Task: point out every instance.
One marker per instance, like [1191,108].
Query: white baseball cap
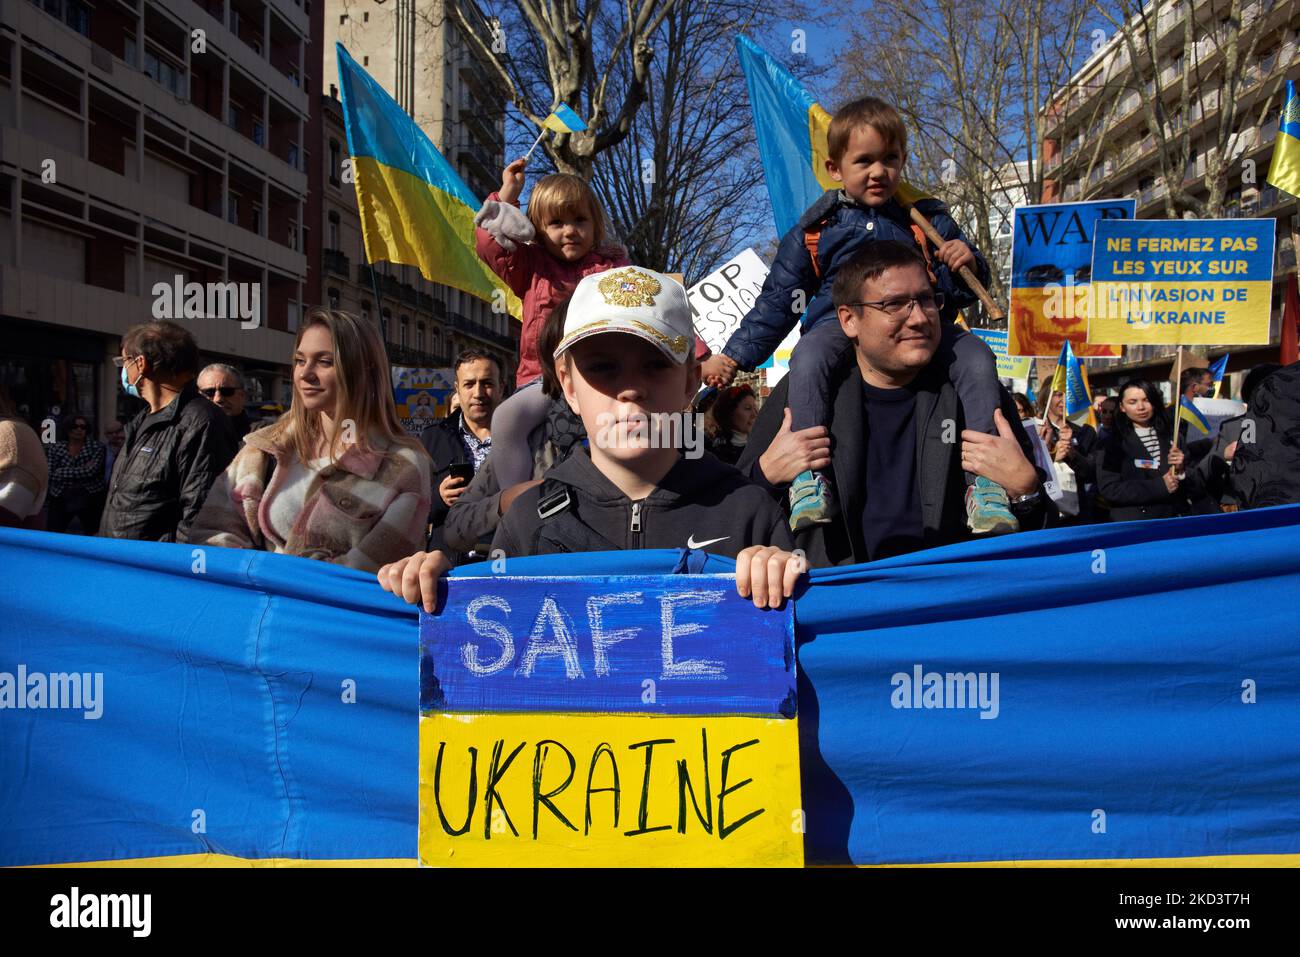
[640,302]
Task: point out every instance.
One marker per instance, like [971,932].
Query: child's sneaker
[811,501]
[987,510]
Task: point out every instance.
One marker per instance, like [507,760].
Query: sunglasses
[79,425]
[226,391]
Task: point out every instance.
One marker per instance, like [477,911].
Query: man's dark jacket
[939,476]
[167,463]
[443,442]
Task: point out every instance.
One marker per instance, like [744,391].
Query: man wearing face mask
[174,449]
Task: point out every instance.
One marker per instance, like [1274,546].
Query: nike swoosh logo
[692,543]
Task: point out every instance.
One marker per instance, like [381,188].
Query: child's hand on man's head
[954,254]
[512,181]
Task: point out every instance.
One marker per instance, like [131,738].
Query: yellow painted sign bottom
[571,790]
[1191,312]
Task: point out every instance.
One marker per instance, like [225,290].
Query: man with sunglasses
[897,442]
[224,385]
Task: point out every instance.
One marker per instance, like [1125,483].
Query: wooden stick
[1178,399]
[975,286]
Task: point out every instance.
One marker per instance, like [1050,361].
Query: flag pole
[1178,399]
[966,273]
[535,142]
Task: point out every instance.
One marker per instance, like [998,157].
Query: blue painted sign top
[1184,250]
[663,644]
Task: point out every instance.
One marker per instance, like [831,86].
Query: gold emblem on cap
[629,288]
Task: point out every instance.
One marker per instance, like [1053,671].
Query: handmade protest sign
[1051,269]
[422,395]
[720,300]
[1009,367]
[1182,281]
[607,721]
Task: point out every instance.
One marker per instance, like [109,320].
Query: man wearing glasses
[897,442]
[223,385]
[174,449]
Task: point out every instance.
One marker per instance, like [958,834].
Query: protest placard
[1182,281]
[607,721]
[720,300]
[422,395]
[1051,268]
[1009,367]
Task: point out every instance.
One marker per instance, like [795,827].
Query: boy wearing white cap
[627,366]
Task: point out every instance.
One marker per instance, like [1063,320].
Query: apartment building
[420,57]
[1099,145]
[151,143]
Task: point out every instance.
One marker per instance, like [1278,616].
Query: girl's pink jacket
[536,277]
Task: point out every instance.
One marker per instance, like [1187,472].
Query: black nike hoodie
[702,503]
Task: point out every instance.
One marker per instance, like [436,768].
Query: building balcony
[336,261]
[406,356]
[472,72]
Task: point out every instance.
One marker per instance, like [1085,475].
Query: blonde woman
[336,478]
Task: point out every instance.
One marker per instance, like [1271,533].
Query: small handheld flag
[1198,426]
[1217,369]
[1072,382]
[1284,173]
[563,120]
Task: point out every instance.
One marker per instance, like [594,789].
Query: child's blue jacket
[846,226]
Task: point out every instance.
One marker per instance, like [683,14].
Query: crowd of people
[892,432]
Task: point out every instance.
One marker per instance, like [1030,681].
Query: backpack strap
[561,530]
[811,238]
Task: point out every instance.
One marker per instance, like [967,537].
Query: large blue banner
[1105,693]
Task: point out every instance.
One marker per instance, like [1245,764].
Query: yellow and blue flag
[1284,173]
[415,209]
[1217,368]
[791,128]
[1198,426]
[1071,380]
[564,120]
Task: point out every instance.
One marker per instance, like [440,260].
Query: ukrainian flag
[1217,368]
[1198,426]
[1071,380]
[564,120]
[1285,171]
[791,128]
[415,209]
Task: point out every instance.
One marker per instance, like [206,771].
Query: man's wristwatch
[1025,502]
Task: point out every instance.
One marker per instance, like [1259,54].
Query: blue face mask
[127,387]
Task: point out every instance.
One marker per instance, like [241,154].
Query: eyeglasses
[79,425]
[119,361]
[899,308]
[226,391]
